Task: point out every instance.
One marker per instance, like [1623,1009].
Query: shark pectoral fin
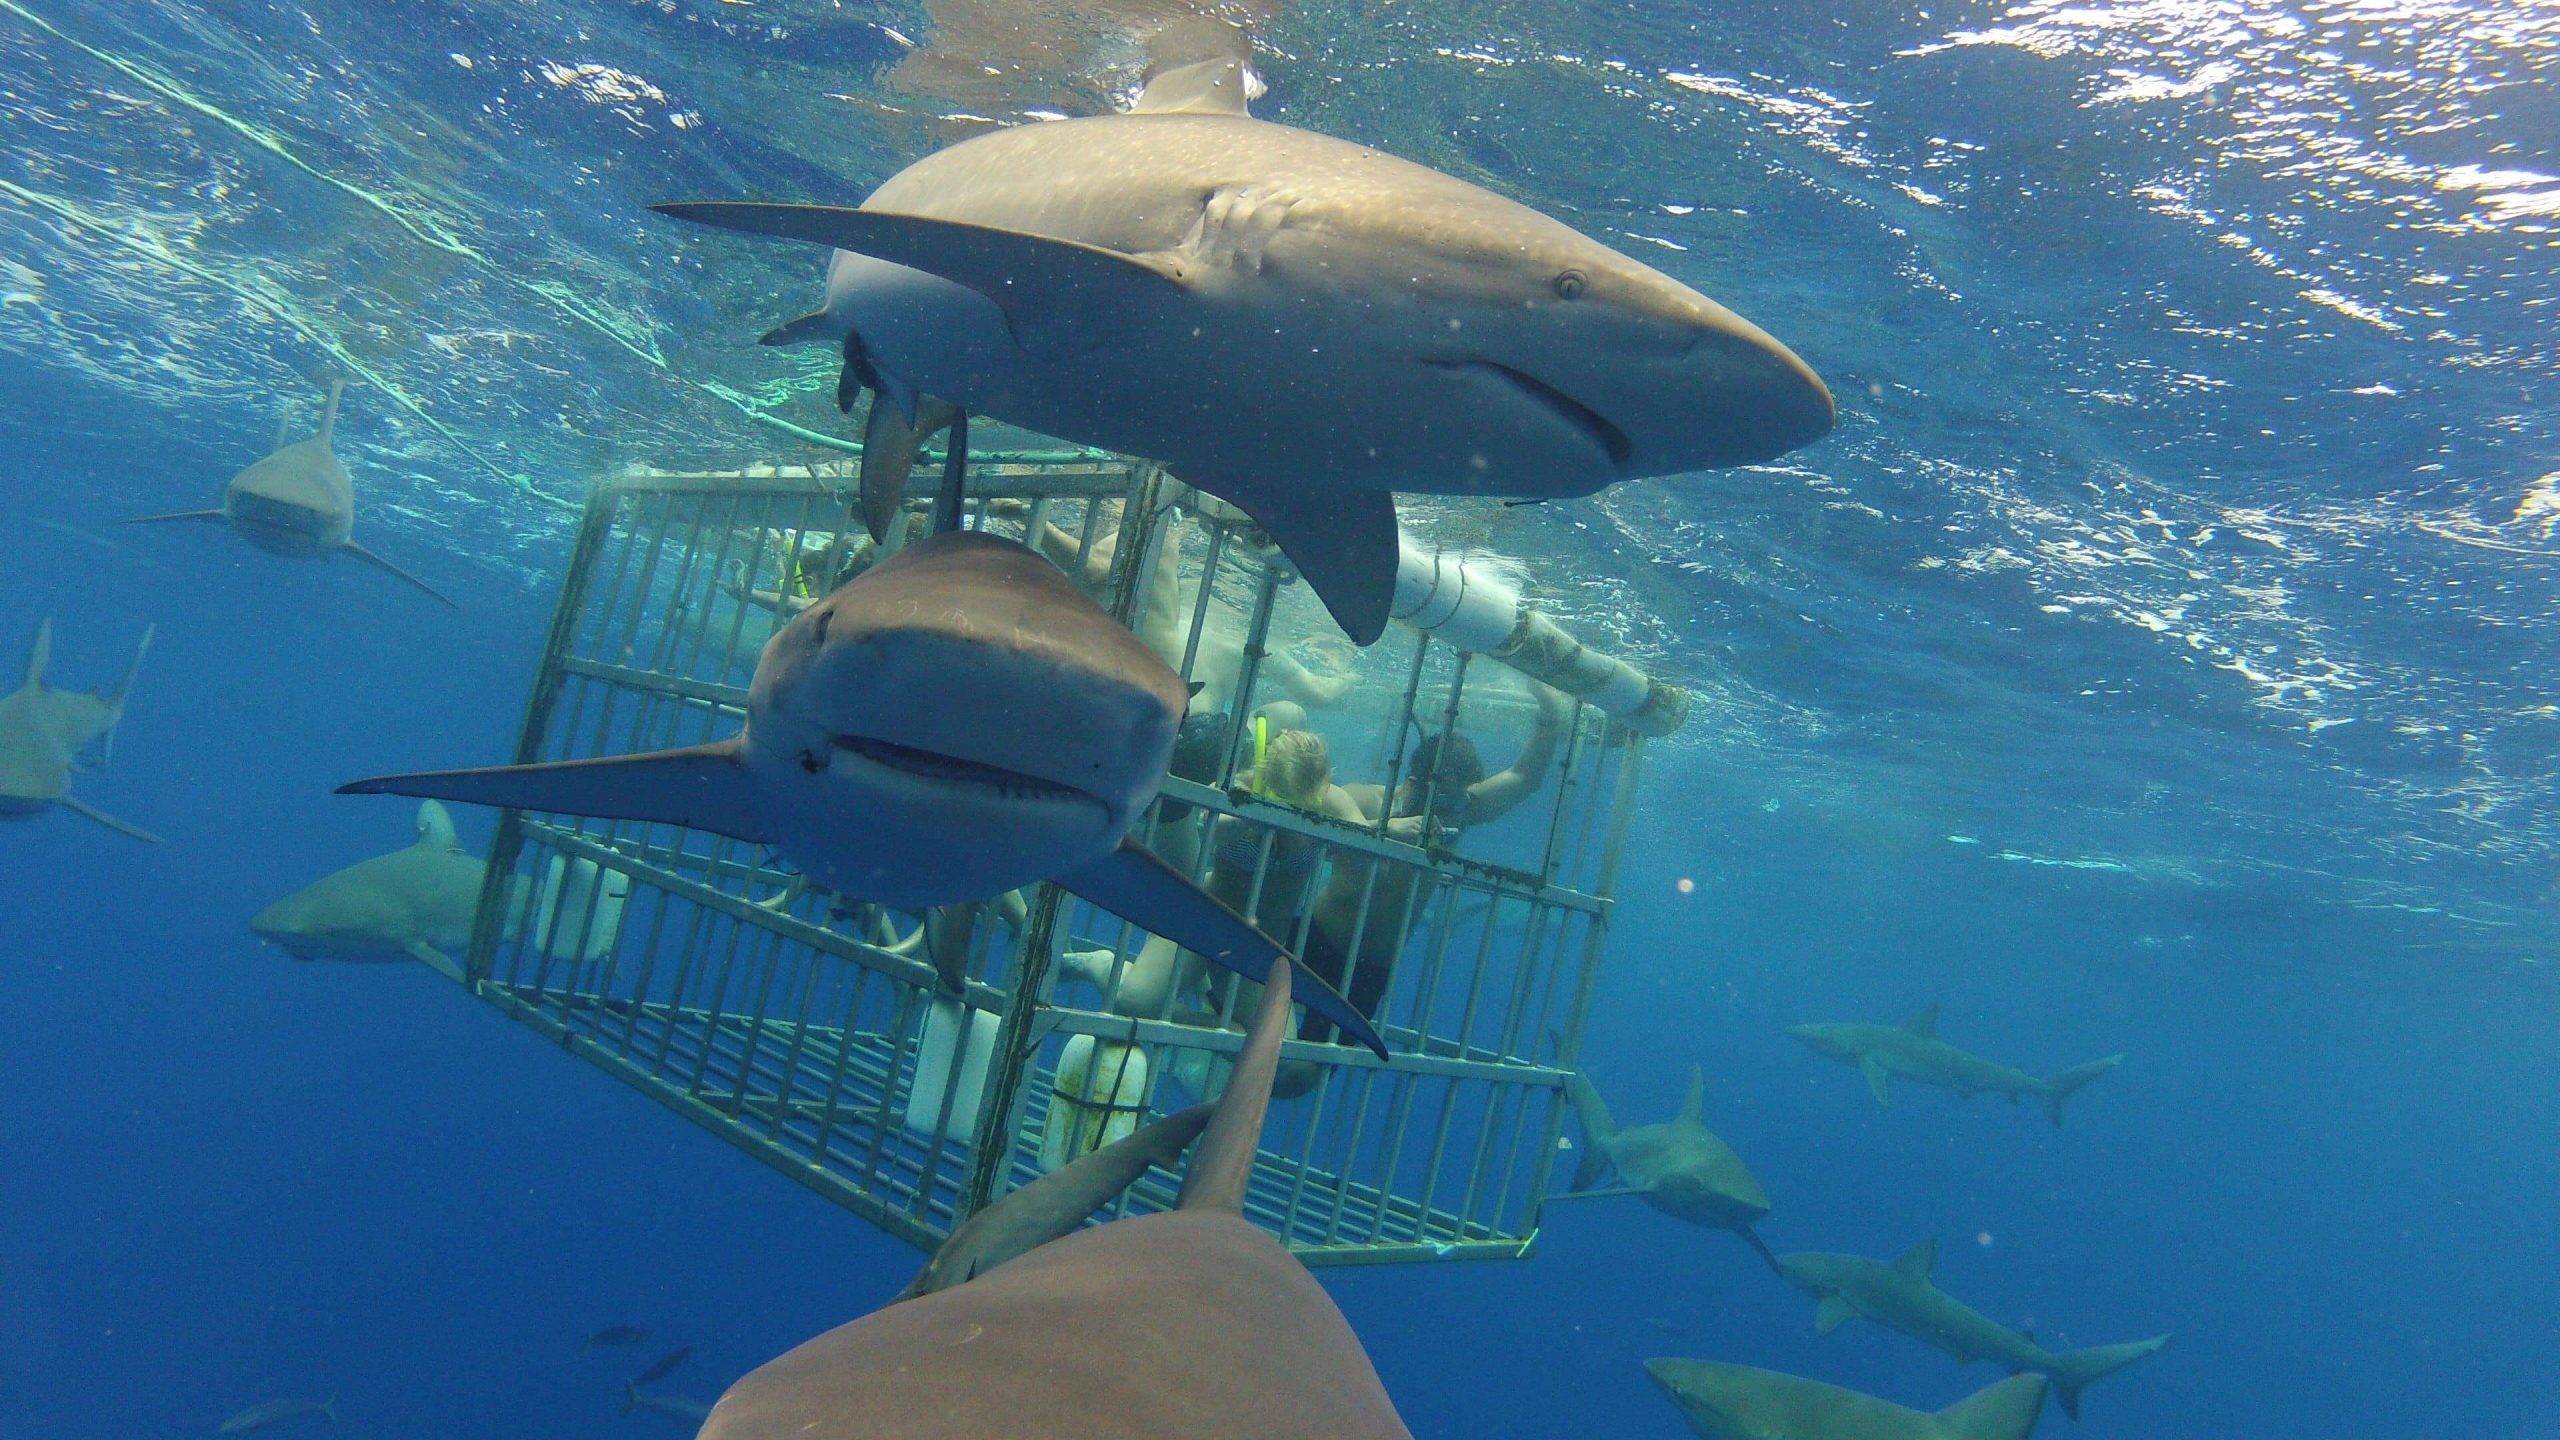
[1598,1128]
[76,807]
[1045,286]
[215,515]
[1133,883]
[386,566]
[1203,87]
[1609,1193]
[1833,1313]
[816,325]
[433,958]
[1343,541]
[701,787]
[2006,1411]
[889,445]
[1877,1080]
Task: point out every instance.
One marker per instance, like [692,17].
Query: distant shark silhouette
[418,903]
[46,735]
[1175,1326]
[1914,1051]
[299,501]
[1296,324]
[1900,1295]
[954,722]
[1678,1167]
[1737,1402]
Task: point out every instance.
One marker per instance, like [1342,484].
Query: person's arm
[1314,689]
[1497,795]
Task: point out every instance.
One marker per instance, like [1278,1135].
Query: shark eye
[1569,284]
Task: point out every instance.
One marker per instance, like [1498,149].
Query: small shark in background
[299,501]
[952,723]
[1296,324]
[47,735]
[415,903]
[1737,1402]
[1679,1167]
[1900,1295]
[1188,1323]
[1914,1051]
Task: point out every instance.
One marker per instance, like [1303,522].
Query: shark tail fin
[2076,1370]
[1223,1164]
[2059,1087]
[701,787]
[630,1397]
[1598,1128]
[2006,1411]
[890,441]
[329,1407]
[329,416]
[1760,1248]
[39,653]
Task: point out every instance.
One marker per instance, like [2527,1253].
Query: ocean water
[2156,659]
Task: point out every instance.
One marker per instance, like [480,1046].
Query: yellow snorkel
[1261,749]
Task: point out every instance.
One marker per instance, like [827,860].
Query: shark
[1900,1295]
[1297,324]
[299,501]
[1678,1167]
[415,903]
[1914,1051]
[48,735]
[954,722]
[1738,1402]
[1190,1322]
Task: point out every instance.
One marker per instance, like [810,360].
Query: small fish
[667,1365]
[259,1417]
[614,1335]
[634,1398]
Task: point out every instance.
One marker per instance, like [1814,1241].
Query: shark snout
[1754,399]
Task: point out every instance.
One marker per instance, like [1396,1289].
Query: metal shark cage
[831,1041]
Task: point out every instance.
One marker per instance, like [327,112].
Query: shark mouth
[941,769]
[1593,426]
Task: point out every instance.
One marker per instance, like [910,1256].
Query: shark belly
[281,527]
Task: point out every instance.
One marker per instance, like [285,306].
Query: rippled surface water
[2184,567]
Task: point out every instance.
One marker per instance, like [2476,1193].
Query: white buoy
[942,1054]
[1097,1097]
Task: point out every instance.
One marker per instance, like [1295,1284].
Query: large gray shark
[1737,1402]
[1294,323]
[415,903]
[1159,1327]
[1914,1051]
[1679,1166]
[299,501]
[1900,1296]
[954,722]
[46,735]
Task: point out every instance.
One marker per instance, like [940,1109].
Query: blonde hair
[1297,767]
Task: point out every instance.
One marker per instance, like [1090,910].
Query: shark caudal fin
[1223,1164]
[1134,884]
[630,1397]
[1598,1128]
[2076,1370]
[2058,1087]
[890,440]
[2006,1411]
[1055,1203]
[701,787]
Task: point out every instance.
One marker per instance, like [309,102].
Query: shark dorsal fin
[37,656]
[329,417]
[1203,87]
[1694,1109]
[1924,1024]
[1223,1163]
[2006,1411]
[1918,1262]
[435,827]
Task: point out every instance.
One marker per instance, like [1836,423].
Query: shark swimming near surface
[1914,1051]
[48,735]
[1900,1295]
[1737,1402]
[952,723]
[299,501]
[1297,324]
[1172,1326]
[1678,1167]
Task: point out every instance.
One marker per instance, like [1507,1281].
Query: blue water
[2155,660]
